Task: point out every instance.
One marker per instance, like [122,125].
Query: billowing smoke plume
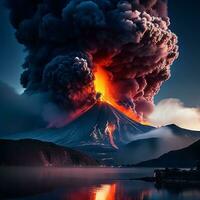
[67,39]
[173,111]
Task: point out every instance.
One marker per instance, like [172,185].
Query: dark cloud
[70,79]
[67,39]
[18,113]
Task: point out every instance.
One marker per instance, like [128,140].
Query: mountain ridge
[184,157]
[29,152]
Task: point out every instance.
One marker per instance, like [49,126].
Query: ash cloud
[173,111]
[66,40]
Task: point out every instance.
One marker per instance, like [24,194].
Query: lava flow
[110,128]
[103,87]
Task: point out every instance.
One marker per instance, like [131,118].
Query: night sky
[184,83]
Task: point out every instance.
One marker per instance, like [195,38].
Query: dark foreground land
[174,178]
[29,152]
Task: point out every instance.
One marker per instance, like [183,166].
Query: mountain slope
[36,153]
[186,157]
[90,128]
[129,143]
[89,133]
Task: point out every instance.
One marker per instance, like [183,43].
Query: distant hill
[154,144]
[186,157]
[30,152]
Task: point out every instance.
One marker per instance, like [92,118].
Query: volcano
[101,129]
[111,137]
[92,128]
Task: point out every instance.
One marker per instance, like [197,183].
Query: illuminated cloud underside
[173,111]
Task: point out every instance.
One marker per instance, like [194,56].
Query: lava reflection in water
[106,192]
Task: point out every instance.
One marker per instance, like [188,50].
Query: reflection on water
[125,190]
[115,191]
[107,192]
[85,184]
[102,192]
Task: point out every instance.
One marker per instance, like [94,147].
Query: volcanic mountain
[91,127]
[102,126]
[109,136]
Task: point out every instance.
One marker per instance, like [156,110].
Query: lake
[85,184]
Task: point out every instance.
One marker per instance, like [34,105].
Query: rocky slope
[30,152]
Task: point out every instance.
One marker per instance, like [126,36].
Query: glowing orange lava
[110,128]
[103,86]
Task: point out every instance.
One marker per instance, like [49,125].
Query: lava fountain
[103,86]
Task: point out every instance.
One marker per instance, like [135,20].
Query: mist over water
[85,184]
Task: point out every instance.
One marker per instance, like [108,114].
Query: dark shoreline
[174,178]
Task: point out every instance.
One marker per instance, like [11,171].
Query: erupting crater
[103,87]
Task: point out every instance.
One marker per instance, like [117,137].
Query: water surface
[86,184]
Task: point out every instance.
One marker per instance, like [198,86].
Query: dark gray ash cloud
[67,39]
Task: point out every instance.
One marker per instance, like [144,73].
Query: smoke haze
[18,113]
[173,111]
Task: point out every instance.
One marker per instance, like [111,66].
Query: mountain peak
[99,130]
[91,127]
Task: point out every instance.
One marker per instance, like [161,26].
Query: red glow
[106,192]
[110,128]
[104,86]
